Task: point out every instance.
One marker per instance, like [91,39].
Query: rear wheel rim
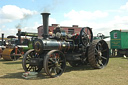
[98,54]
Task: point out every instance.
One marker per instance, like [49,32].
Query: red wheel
[54,63]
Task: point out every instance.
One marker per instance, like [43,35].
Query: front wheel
[27,62]
[54,63]
[98,54]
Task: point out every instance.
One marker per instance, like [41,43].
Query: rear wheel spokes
[99,56]
[99,46]
[103,57]
[99,52]
[100,62]
[104,50]
[96,51]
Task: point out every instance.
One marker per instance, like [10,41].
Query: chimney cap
[19,29]
[45,13]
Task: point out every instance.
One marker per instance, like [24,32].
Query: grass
[115,73]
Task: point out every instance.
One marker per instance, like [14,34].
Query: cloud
[9,13]
[101,22]
[13,31]
[52,21]
[124,7]
[31,28]
[119,22]
[85,15]
[83,18]
[96,20]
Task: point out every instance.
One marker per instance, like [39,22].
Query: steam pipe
[45,17]
[19,36]
[2,38]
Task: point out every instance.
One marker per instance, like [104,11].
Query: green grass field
[115,73]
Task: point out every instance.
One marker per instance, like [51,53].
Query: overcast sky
[101,15]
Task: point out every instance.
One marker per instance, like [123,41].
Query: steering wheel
[86,36]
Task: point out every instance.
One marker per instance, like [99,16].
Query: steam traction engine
[52,52]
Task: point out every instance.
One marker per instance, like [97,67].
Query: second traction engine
[52,51]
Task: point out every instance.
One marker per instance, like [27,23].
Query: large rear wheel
[98,54]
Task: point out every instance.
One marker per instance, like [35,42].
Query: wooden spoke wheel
[54,63]
[98,54]
[27,62]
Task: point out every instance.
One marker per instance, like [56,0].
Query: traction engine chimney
[45,17]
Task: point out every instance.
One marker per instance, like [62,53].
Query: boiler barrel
[44,45]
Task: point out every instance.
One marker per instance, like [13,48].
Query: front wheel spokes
[28,57]
[55,70]
[60,68]
[54,63]
[51,60]
[32,68]
[52,71]
[29,67]
[51,65]
[31,55]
